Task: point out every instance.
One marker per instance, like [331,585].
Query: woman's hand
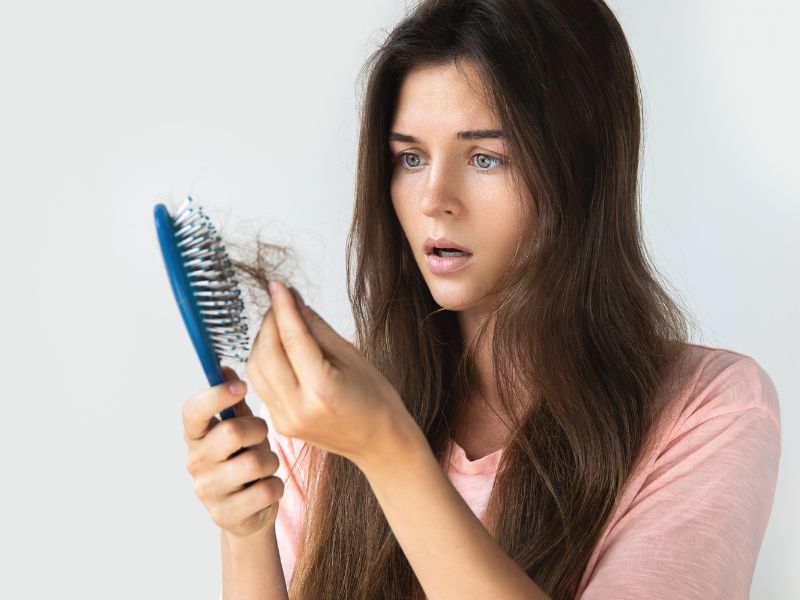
[318,387]
[231,461]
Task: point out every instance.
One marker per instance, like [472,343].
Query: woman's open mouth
[447,260]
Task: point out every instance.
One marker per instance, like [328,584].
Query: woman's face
[447,183]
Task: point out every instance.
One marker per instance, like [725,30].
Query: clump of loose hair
[584,334]
[256,263]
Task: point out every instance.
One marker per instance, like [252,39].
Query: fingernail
[236,387]
[274,288]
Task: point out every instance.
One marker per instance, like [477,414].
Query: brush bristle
[211,276]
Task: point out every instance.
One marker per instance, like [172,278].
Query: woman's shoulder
[719,381]
[691,522]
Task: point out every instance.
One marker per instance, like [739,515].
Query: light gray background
[107,108]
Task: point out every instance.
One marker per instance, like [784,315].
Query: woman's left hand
[318,387]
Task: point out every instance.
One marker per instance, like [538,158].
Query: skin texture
[457,189]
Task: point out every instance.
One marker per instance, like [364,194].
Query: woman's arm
[251,568]
[450,551]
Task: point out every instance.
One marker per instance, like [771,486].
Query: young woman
[522,415]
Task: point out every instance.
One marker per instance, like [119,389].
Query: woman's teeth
[445,252]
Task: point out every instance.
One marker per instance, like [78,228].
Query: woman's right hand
[231,461]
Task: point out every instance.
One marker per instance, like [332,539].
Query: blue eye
[484,161]
[412,155]
[487,161]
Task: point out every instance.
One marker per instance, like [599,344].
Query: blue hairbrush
[201,275]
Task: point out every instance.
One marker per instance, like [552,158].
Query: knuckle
[262,496]
[231,430]
[289,425]
[327,387]
[262,427]
[215,512]
[251,462]
[289,341]
[186,409]
[193,463]
[278,487]
[333,375]
[273,462]
[269,491]
[201,487]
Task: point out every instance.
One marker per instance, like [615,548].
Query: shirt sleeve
[695,528]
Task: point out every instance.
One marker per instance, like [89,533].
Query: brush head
[202,279]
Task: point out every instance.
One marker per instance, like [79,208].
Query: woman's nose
[440,193]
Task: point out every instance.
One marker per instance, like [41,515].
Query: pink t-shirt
[690,525]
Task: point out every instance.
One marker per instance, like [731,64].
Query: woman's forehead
[444,98]
[444,82]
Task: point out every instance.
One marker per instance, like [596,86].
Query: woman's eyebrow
[474,134]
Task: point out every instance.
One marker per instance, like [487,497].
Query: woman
[525,418]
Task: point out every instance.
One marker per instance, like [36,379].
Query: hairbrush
[202,278]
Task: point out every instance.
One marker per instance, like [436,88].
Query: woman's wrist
[251,566]
[399,439]
[244,545]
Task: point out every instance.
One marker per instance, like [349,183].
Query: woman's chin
[461,300]
[456,300]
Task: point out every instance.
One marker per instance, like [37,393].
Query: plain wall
[251,107]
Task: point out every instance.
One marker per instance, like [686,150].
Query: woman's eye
[412,160]
[484,161]
[413,163]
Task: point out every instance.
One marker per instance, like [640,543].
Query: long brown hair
[583,330]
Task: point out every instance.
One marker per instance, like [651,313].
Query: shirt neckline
[484,465]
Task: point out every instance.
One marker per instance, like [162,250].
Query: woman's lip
[449,264]
[442,242]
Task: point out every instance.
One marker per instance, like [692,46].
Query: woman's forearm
[449,549]
[251,568]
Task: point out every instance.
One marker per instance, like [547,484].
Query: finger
[230,374]
[232,434]
[222,479]
[261,497]
[270,361]
[302,350]
[199,410]
[254,464]
[332,344]
[242,409]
